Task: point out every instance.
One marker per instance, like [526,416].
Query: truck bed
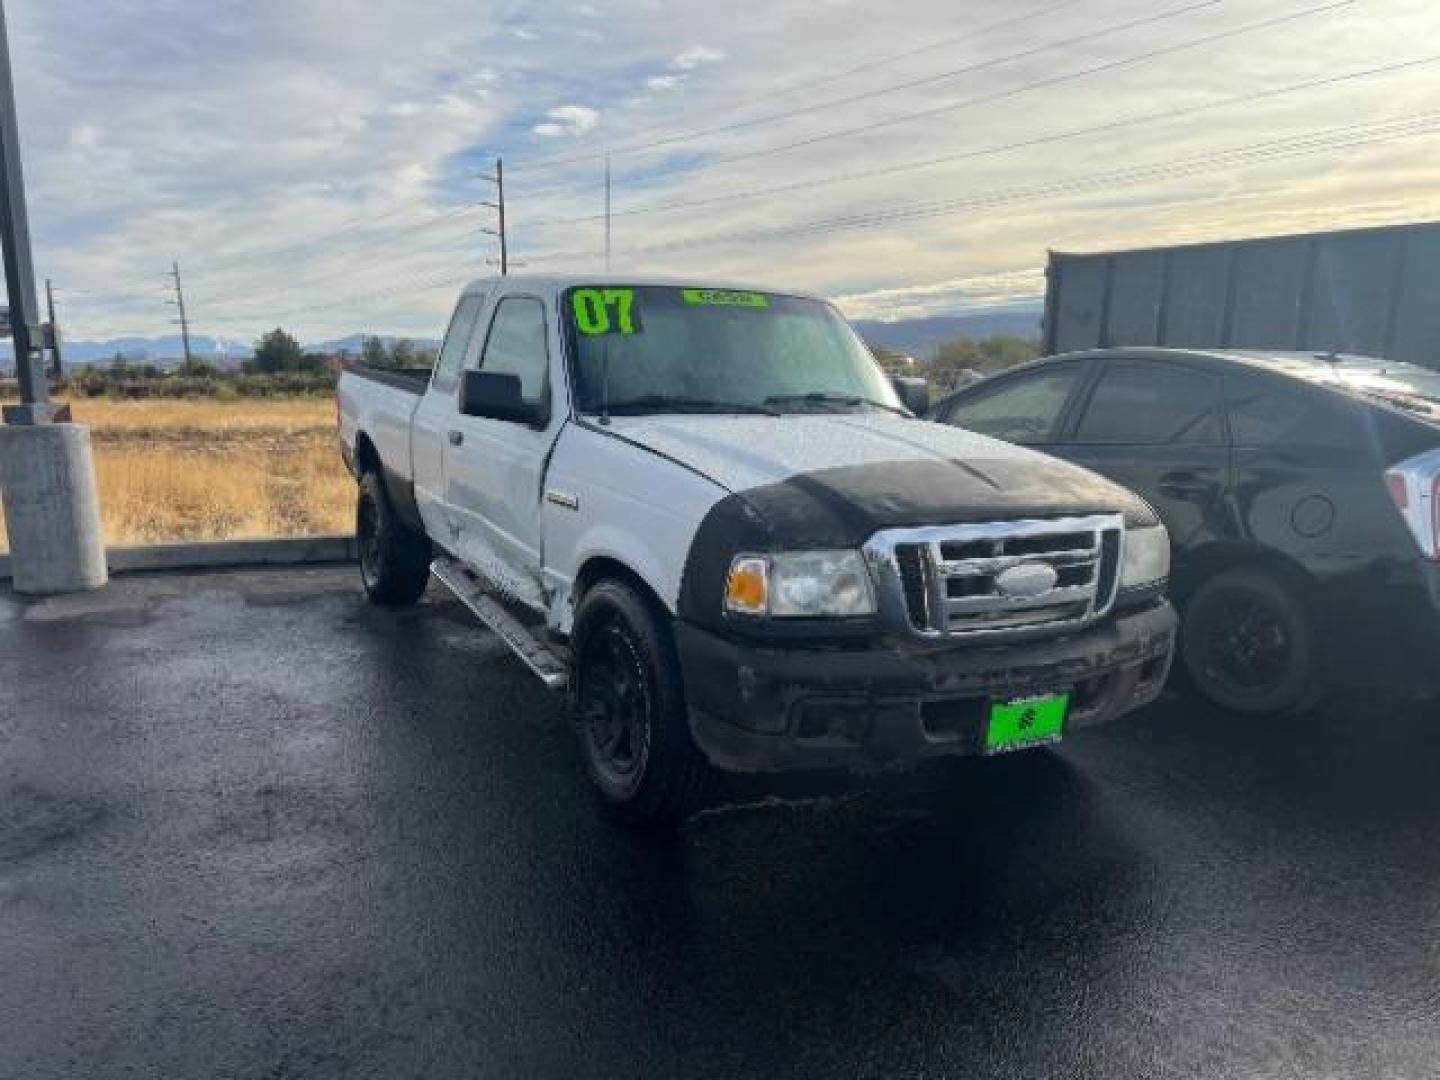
[412,380]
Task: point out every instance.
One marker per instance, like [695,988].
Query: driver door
[494,468]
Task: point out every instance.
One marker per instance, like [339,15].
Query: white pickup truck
[710,515]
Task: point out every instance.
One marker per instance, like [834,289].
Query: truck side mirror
[493,395]
[914,393]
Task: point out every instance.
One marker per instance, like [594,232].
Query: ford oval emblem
[1026,581]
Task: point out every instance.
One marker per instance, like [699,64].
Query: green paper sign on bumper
[1015,725]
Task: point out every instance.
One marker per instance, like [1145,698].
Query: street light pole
[47,473]
[35,407]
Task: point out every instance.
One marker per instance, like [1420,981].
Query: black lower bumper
[766,709]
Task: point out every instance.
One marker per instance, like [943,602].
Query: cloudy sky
[317,163]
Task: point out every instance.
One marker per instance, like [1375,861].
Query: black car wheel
[1249,645]
[630,710]
[394,559]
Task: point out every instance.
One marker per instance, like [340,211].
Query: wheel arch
[1199,566]
[599,568]
[367,458]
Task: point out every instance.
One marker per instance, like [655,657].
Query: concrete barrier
[223,554]
[52,509]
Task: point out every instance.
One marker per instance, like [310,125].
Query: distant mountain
[153,350]
[921,337]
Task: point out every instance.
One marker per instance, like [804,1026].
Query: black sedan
[1302,494]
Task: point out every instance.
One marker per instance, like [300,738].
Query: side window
[516,345]
[1023,409]
[457,338]
[1152,403]
[1269,413]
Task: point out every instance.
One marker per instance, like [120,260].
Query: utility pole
[607,213]
[179,302]
[498,179]
[25,332]
[57,366]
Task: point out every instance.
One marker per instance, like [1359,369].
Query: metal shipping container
[1369,291]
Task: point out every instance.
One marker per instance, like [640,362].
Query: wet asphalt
[251,827]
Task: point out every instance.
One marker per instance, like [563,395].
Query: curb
[223,554]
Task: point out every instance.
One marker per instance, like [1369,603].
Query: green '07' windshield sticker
[725,298]
[605,311]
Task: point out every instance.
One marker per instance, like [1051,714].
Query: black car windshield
[657,349]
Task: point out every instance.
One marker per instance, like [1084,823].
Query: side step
[469,589]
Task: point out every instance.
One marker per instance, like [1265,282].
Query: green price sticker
[605,311]
[725,298]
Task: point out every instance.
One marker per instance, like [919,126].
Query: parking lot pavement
[251,827]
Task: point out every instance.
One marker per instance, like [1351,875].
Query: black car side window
[1023,409]
[1266,412]
[1152,403]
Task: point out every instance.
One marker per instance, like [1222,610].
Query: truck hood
[874,470]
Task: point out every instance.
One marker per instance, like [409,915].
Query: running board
[470,590]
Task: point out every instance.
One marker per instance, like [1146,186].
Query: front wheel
[630,710]
[394,558]
[1249,644]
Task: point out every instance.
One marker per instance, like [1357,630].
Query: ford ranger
[709,515]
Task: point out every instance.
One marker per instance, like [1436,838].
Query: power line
[457,245]
[983,99]
[833,77]
[965,155]
[366,243]
[347,228]
[1266,150]
[895,88]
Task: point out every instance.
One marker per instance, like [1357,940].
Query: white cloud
[572,120]
[696,56]
[661,83]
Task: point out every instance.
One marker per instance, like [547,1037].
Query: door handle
[456,438]
[1182,485]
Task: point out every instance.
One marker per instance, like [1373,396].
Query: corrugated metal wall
[1370,291]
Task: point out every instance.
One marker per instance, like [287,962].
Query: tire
[394,558]
[629,709]
[1249,645]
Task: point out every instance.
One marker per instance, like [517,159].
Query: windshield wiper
[818,397]
[679,403]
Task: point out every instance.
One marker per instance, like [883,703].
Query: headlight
[1147,557]
[800,584]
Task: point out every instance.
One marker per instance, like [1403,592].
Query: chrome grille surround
[940,582]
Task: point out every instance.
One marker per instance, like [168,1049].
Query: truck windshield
[654,349]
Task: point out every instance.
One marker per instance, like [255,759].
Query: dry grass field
[212,470]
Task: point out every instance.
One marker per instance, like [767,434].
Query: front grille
[1002,576]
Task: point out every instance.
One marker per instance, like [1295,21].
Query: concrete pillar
[52,508]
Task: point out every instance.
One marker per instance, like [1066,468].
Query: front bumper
[770,709]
